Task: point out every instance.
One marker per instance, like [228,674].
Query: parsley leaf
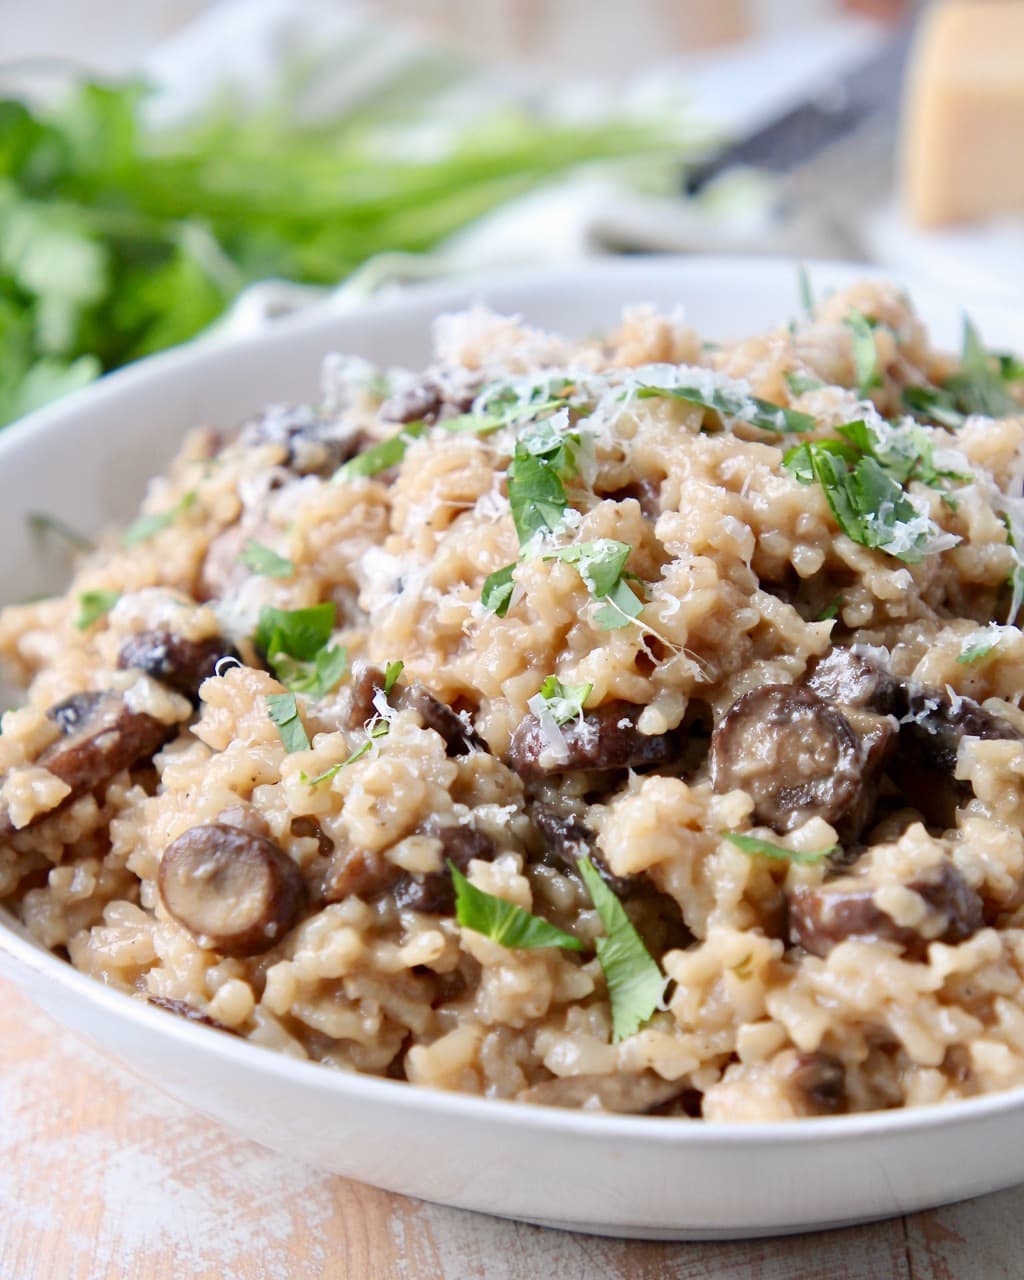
[798,383]
[734,404]
[93,605]
[765,849]
[391,673]
[146,526]
[283,710]
[261,559]
[635,983]
[388,453]
[865,353]
[831,610]
[563,702]
[299,633]
[503,922]
[933,405]
[295,642]
[602,566]
[41,522]
[536,494]
[979,646]
[977,386]
[498,587]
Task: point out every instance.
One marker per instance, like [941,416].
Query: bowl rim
[20,948]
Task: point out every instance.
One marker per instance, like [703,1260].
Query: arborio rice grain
[733,722]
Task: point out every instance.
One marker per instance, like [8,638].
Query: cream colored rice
[739,558]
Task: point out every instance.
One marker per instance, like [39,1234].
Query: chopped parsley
[41,522]
[391,673]
[831,610]
[283,710]
[728,403]
[544,458]
[379,457]
[765,849]
[503,922]
[496,595]
[262,560]
[865,353]
[979,386]
[979,646]
[636,984]
[601,565]
[563,702]
[803,279]
[147,526]
[863,475]
[93,605]
[295,642]
[378,729]
[798,383]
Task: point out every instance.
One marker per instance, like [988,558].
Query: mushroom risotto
[627,724]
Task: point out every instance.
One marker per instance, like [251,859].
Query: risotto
[628,724]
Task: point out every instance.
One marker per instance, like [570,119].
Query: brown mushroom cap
[793,753]
[235,891]
[180,664]
[602,739]
[822,917]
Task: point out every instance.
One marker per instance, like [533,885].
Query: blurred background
[177,168]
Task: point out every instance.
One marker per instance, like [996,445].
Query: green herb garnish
[147,526]
[388,453]
[536,493]
[636,985]
[262,560]
[503,922]
[602,566]
[765,849]
[865,353]
[283,710]
[831,610]
[391,673]
[93,605]
[41,522]
[563,702]
[733,404]
[295,642]
[978,648]
[978,385]
[498,587]
[798,383]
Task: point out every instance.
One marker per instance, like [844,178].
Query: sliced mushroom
[313,445]
[181,664]
[459,737]
[236,892]
[356,873]
[817,1084]
[567,839]
[854,678]
[794,754]
[367,682]
[419,403]
[822,917]
[603,739]
[435,892]
[628,1094]
[100,736]
[182,1009]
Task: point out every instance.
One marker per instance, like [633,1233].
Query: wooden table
[100,1180]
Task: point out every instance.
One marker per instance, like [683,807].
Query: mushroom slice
[816,1083]
[629,1094]
[182,1009]
[854,678]
[181,664]
[793,753]
[567,839]
[435,891]
[313,445]
[599,740]
[459,738]
[236,892]
[820,918]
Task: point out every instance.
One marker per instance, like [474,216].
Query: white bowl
[87,460]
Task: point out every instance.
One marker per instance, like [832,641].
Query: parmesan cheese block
[963,144]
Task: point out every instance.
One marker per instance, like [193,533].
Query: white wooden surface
[103,1179]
